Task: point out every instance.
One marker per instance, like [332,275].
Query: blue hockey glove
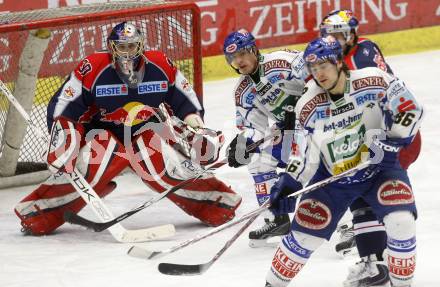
[279,200]
[390,149]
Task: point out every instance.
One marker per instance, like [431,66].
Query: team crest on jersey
[186,86]
[366,52]
[152,87]
[111,90]
[85,67]
[69,92]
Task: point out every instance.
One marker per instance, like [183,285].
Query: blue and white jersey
[282,75]
[333,135]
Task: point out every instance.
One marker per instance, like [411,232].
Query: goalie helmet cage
[40,48]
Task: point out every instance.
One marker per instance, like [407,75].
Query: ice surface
[77,257]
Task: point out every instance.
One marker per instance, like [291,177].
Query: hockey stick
[100,226]
[89,195]
[199,269]
[136,251]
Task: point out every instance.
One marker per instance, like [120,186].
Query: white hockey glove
[202,145]
[64,145]
[205,143]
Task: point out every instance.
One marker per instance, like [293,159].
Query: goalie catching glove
[191,139]
[65,141]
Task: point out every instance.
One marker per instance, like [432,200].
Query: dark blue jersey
[366,54]
[95,96]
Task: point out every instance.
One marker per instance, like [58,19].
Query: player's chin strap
[89,195]
[197,269]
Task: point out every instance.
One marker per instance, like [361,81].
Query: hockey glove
[65,141]
[236,152]
[385,153]
[200,144]
[280,203]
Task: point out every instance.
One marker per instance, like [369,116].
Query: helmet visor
[232,58]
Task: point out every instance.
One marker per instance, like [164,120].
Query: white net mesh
[79,31]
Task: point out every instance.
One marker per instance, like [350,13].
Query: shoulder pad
[312,96]
[91,66]
[161,61]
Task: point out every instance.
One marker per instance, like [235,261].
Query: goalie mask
[126,45]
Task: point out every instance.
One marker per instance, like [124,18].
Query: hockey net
[50,43]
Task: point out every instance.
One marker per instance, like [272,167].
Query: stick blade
[182,269]
[73,218]
[139,252]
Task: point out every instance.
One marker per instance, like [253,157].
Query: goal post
[40,48]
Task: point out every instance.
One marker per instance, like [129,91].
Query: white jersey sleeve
[402,113]
[249,119]
[281,76]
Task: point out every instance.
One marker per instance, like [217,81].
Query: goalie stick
[140,252]
[100,226]
[89,195]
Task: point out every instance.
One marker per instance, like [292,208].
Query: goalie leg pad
[42,211]
[65,142]
[207,198]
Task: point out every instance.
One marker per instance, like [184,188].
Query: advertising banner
[282,22]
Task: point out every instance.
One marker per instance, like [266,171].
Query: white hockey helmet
[339,21]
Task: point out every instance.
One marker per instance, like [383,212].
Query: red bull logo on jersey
[153,87]
[111,90]
[130,114]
